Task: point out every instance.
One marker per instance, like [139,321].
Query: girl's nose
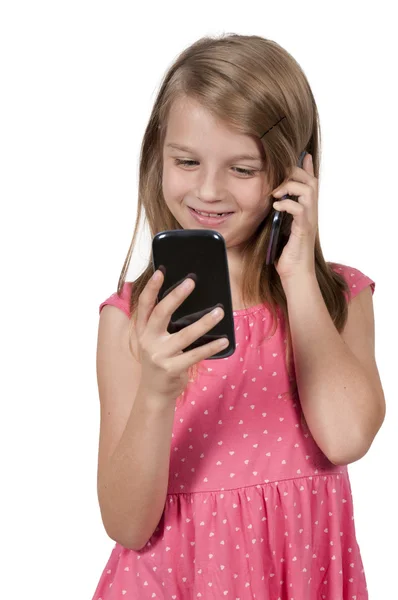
[210,187]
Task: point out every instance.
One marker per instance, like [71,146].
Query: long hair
[255,86]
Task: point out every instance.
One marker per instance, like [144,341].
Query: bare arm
[132,489]
[340,389]
[138,398]
[135,437]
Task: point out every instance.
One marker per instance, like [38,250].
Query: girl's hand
[298,256]
[163,362]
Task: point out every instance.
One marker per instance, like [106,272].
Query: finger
[188,359]
[309,163]
[163,311]
[290,206]
[188,319]
[291,188]
[304,219]
[147,300]
[187,336]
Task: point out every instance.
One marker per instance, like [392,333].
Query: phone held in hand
[200,254]
[281,226]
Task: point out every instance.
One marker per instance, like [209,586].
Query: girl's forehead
[190,124]
[186,111]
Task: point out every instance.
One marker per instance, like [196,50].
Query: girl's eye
[190,163]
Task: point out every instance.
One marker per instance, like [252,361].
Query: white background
[78,81]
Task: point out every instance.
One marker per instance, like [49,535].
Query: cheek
[253,197]
[172,184]
[256,206]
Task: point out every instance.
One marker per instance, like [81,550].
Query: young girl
[228,478]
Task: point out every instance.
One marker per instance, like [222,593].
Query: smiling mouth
[207,214]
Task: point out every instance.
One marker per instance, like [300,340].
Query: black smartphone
[202,255]
[281,225]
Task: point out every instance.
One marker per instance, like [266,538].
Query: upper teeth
[210,214]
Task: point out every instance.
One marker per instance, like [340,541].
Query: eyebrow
[232,158]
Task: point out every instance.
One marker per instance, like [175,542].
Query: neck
[235,267]
[236,270]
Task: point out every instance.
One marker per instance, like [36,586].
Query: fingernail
[188,284]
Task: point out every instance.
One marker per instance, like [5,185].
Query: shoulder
[356,279]
[121,301]
[115,324]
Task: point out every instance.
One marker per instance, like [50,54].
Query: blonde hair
[255,86]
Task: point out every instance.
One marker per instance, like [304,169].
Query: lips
[212,221]
[204,213]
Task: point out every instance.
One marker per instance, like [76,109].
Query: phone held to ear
[281,225]
[200,254]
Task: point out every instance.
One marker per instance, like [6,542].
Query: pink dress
[254,508]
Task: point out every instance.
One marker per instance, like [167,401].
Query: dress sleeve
[356,280]
[122,302]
